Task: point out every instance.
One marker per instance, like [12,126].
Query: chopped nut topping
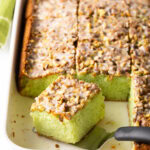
[65,97]
[139,33]
[51,47]
[139,10]
[101,60]
[92,12]
[103,45]
[142,100]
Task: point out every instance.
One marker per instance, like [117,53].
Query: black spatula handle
[137,134]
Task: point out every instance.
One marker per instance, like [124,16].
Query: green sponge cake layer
[67,109]
[33,87]
[70,131]
[113,88]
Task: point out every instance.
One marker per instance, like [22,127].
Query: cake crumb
[22,116]
[56,145]
[113,146]
[13,134]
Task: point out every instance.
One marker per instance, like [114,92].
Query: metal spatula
[98,136]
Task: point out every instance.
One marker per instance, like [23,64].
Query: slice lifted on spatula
[67,109]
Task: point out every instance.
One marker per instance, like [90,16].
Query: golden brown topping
[139,34]
[109,31]
[51,47]
[142,100]
[103,45]
[47,9]
[65,97]
[138,8]
[91,14]
[111,60]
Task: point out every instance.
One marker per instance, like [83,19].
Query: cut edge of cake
[60,119]
[138,105]
[76,135]
[114,88]
[27,82]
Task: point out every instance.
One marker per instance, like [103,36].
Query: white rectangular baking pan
[18,125]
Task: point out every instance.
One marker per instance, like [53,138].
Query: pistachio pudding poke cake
[76,50]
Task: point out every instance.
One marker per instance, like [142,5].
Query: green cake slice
[67,109]
[48,46]
[102,54]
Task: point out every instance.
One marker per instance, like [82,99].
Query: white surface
[20,105]
[3,87]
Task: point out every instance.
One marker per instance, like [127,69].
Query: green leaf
[7,8]
[4,28]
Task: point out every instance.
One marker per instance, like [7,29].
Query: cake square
[139,105]
[48,46]
[103,50]
[67,109]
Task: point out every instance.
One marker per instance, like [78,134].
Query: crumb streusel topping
[110,35]
[141,99]
[51,47]
[103,38]
[139,34]
[47,9]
